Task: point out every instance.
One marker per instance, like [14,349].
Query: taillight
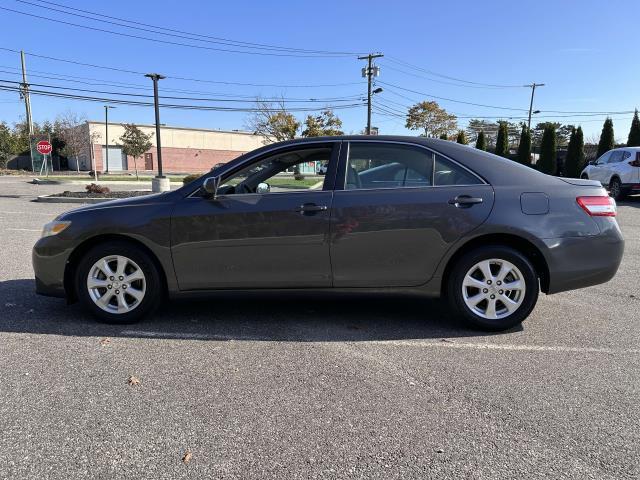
[636,162]
[603,206]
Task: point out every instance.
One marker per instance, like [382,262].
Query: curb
[48,199]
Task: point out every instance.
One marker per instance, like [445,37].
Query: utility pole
[160,183]
[24,91]
[370,71]
[106,136]
[533,91]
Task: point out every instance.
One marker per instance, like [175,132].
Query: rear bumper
[631,188]
[578,262]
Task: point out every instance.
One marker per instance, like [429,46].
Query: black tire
[154,288]
[466,262]
[584,176]
[615,189]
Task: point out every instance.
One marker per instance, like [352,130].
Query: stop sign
[44,148]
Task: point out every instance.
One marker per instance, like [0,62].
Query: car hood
[151,199]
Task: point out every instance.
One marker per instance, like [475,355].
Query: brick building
[184,150]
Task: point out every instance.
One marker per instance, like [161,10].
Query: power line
[195,99]
[175,77]
[451,99]
[431,72]
[213,39]
[117,101]
[417,75]
[166,42]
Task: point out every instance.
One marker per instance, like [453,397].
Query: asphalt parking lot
[314,386]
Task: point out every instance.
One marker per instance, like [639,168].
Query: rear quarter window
[448,173]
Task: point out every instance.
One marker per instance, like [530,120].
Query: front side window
[615,157]
[603,159]
[380,165]
[291,171]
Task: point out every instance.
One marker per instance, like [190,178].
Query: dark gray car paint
[579,250]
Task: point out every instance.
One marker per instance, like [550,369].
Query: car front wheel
[493,288]
[118,282]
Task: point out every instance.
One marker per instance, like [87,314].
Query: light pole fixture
[160,183]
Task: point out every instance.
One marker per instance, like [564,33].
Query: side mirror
[211,186]
[263,188]
[592,162]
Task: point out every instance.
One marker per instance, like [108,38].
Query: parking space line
[403,343]
[24,229]
[505,346]
[25,213]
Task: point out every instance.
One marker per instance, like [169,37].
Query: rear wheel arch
[88,244]
[516,242]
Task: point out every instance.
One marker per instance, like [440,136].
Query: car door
[597,171]
[264,229]
[394,230]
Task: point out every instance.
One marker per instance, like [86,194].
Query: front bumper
[49,259]
[578,262]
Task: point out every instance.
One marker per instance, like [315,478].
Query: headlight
[54,228]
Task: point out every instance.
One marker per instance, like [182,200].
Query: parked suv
[618,170]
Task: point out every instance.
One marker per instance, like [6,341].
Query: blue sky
[584,51]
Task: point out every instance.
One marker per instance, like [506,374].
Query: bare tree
[74,133]
[273,121]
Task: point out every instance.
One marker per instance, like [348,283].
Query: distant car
[403,214]
[618,170]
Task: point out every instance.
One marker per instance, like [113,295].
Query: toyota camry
[404,214]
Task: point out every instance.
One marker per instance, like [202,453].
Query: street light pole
[369,72]
[533,91]
[160,183]
[106,137]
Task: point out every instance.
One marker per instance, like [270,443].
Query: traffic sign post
[44,148]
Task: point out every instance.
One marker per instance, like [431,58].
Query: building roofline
[173,127]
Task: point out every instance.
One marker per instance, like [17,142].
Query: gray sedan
[403,214]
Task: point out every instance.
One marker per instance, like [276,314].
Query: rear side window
[448,173]
[626,155]
[386,165]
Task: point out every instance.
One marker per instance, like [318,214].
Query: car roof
[494,169]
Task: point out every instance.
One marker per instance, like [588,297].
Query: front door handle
[311,208]
[465,201]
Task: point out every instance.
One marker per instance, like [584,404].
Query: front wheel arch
[88,244]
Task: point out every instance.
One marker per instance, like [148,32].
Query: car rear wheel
[615,189]
[493,288]
[584,176]
[118,282]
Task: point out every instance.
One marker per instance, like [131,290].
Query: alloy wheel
[116,284]
[493,289]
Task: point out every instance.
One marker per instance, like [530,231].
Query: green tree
[461,138]
[524,147]
[634,132]
[6,145]
[135,143]
[574,163]
[481,142]
[547,163]
[431,119]
[607,141]
[502,141]
[324,124]
[444,136]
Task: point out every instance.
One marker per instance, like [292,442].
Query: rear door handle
[465,201]
[311,207]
